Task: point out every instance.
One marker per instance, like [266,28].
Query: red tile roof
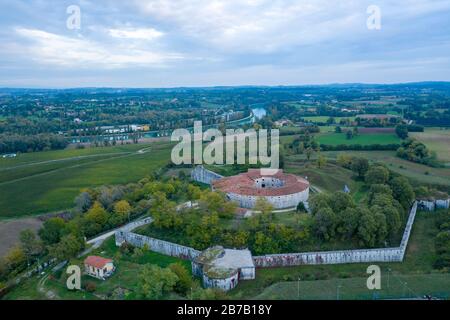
[96,261]
[244,184]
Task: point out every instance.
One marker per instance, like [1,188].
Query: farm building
[223,268]
[281,190]
[98,267]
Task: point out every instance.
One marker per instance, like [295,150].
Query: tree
[402,131]
[344,160]
[402,191]
[309,152]
[83,202]
[338,129]
[155,281]
[265,208]
[349,134]
[325,223]
[184,282]
[52,230]
[377,175]
[360,166]
[264,244]
[122,209]
[339,201]
[378,189]
[348,222]
[367,228]
[318,201]
[97,214]
[15,259]
[321,161]
[67,248]
[31,246]
[301,207]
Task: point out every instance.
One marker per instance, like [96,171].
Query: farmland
[334,139]
[49,181]
[437,140]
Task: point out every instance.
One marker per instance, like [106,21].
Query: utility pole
[298,288]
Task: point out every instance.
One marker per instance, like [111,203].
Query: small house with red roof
[99,267]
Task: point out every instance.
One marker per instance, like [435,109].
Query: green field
[45,182]
[325,119]
[335,139]
[399,286]
[437,140]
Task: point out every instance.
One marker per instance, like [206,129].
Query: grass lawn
[437,140]
[329,178]
[48,187]
[325,118]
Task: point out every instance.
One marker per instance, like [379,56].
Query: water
[259,112]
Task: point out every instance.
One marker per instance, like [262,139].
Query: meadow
[437,140]
[415,171]
[335,139]
[46,182]
[323,119]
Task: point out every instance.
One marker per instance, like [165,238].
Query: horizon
[348,84]
[170,44]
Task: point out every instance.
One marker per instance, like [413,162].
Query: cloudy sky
[167,43]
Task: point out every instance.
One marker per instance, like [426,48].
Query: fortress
[281,190]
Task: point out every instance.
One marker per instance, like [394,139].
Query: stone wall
[278,202]
[200,174]
[343,256]
[431,205]
[160,246]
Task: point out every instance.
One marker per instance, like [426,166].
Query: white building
[98,267]
[223,268]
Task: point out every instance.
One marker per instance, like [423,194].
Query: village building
[99,267]
[223,268]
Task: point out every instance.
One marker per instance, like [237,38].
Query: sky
[172,43]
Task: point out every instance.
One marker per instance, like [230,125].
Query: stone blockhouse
[223,268]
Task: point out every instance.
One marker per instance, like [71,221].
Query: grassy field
[412,170]
[325,119]
[334,139]
[48,181]
[399,286]
[437,140]
[329,178]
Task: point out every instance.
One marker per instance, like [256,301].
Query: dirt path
[10,231]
